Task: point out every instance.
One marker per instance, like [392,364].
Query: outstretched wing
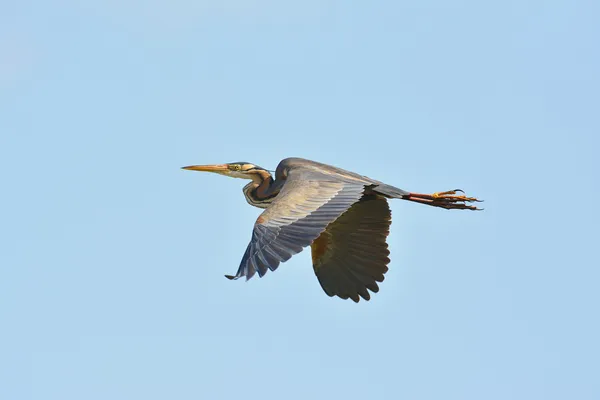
[306,204]
[351,255]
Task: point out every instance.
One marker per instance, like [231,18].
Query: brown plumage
[351,255]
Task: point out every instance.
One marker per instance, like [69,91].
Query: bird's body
[343,216]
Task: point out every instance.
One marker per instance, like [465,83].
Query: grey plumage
[343,216]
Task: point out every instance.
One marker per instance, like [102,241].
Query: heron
[344,217]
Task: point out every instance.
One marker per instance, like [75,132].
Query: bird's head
[244,170]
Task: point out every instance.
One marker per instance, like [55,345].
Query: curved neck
[262,190]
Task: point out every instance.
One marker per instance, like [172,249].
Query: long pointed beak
[208,168]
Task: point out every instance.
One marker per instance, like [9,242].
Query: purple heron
[343,216]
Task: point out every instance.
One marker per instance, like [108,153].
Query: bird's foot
[449,195]
[448,200]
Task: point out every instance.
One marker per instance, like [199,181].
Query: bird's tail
[390,191]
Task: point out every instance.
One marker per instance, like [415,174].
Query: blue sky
[113,258]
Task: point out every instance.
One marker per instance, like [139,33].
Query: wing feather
[351,255]
[305,206]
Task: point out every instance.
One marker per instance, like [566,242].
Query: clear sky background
[112,261]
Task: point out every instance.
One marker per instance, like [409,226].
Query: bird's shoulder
[301,168]
[298,163]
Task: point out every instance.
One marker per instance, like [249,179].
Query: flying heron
[343,216]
